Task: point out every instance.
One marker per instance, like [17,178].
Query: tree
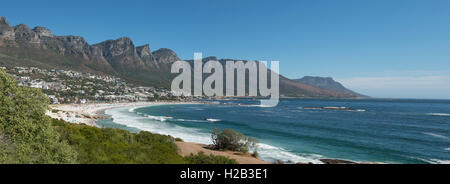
[232,140]
[26,133]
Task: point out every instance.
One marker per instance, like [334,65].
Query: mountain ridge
[20,45]
[326,83]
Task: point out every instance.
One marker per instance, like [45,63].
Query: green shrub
[115,146]
[179,139]
[26,134]
[201,158]
[232,140]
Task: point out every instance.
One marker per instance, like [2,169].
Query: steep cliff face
[165,56]
[121,54]
[145,54]
[42,32]
[6,31]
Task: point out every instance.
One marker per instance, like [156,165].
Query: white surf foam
[264,106]
[447,149]
[213,120]
[436,161]
[132,109]
[124,117]
[267,152]
[272,153]
[190,120]
[159,118]
[438,114]
[436,135]
[360,110]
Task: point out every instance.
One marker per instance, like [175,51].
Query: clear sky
[382,48]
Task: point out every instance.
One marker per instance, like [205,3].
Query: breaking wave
[129,118]
[438,114]
[436,135]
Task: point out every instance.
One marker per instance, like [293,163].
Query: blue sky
[382,48]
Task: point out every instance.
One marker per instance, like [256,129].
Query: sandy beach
[89,113]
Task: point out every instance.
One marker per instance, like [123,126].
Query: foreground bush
[201,158]
[116,146]
[26,134]
[232,140]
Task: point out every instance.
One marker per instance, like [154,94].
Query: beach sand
[90,113]
[186,148]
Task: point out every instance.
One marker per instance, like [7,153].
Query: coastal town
[68,87]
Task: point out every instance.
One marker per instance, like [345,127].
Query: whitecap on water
[437,161]
[159,118]
[436,135]
[438,114]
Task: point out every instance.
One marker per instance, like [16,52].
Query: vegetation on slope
[27,135]
[116,146]
[202,158]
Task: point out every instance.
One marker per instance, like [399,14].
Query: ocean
[375,130]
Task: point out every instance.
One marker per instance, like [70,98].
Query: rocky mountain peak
[3,21]
[144,50]
[73,41]
[24,34]
[124,41]
[165,55]
[210,58]
[6,31]
[120,46]
[42,31]
[22,27]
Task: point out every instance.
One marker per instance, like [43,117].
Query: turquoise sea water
[393,131]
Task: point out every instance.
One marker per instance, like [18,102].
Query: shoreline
[89,114]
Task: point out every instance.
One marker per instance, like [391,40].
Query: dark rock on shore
[336,161]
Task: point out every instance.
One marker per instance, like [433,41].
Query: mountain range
[23,46]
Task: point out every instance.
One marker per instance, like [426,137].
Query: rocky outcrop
[122,54]
[42,32]
[165,56]
[146,55]
[337,161]
[24,35]
[6,31]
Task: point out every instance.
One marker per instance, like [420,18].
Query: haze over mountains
[22,46]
